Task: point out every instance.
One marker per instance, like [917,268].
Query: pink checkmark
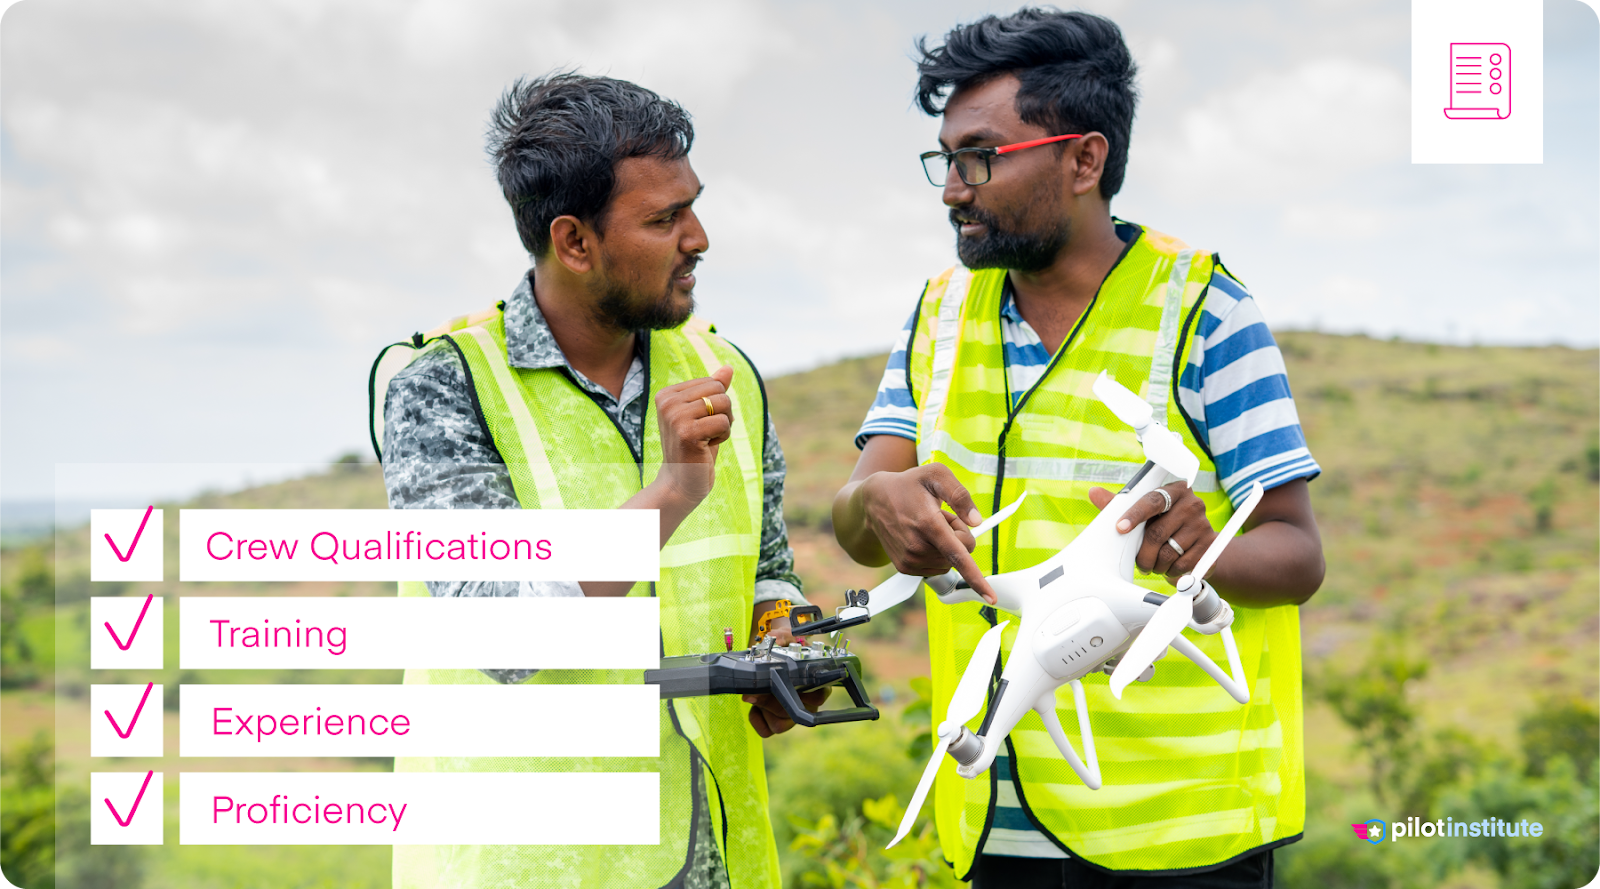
[136,800]
[118,639]
[136,535]
[135,720]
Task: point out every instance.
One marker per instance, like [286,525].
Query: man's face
[649,246]
[1019,219]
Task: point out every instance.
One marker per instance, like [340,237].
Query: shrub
[831,788]
[1567,854]
[18,666]
[28,815]
[1567,727]
[38,851]
[1372,702]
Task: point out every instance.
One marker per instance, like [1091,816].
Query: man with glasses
[987,395]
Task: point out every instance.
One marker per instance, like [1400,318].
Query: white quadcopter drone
[1081,613]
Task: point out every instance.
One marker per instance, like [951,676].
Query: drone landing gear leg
[1233,685]
[1046,708]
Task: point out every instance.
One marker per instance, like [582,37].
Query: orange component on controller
[798,617]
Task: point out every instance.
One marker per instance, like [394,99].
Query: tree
[1567,727]
[1372,702]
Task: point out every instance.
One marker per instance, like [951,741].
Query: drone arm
[1046,708]
[1234,685]
[1232,649]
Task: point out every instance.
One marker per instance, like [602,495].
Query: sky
[214,214]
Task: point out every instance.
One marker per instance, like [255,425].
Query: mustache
[687,267]
[961,215]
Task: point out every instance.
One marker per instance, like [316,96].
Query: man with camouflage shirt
[587,383]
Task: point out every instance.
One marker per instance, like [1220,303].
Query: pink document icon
[1480,81]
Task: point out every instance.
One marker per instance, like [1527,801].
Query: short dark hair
[1076,74]
[556,141]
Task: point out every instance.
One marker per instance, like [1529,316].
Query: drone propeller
[1175,613]
[964,705]
[899,588]
[1161,446]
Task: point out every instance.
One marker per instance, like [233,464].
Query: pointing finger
[962,561]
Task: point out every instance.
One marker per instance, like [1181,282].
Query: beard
[1001,247]
[624,307]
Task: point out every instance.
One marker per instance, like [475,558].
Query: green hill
[1455,642]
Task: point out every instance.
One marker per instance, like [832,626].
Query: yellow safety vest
[1191,778]
[563,452]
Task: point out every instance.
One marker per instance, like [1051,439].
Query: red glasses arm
[1018,146]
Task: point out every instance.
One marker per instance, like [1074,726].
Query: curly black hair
[1075,70]
[556,141]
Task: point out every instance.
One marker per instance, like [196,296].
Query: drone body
[1081,613]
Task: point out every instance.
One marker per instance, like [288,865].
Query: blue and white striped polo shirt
[1234,389]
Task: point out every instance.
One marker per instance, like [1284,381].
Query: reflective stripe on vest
[562,451]
[1191,778]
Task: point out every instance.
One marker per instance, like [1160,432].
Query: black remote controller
[784,672]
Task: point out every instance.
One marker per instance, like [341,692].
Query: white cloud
[1336,220]
[1158,62]
[1284,129]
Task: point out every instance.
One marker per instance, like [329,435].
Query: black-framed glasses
[972,164]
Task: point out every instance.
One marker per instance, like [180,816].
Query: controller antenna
[727,637]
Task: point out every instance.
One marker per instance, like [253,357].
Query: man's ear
[1087,162]
[574,244]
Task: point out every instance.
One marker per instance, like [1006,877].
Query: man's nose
[694,236]
[957,193]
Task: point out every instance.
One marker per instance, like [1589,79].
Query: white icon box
[125,720]
[1477,81]
[126,809]
[125,633]
[126,545]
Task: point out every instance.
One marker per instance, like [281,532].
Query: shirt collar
[529,340]
[531,344]
[1008,306]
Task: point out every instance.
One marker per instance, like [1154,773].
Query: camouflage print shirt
[436,454]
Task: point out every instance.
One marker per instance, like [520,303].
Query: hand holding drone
[1081,613]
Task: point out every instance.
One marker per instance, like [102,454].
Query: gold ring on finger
[711,409]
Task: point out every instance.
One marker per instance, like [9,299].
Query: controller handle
[790,699]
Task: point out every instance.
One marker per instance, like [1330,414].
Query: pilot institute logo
[1372,831]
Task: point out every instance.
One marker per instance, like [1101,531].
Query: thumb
[1100,497]
[723,375]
